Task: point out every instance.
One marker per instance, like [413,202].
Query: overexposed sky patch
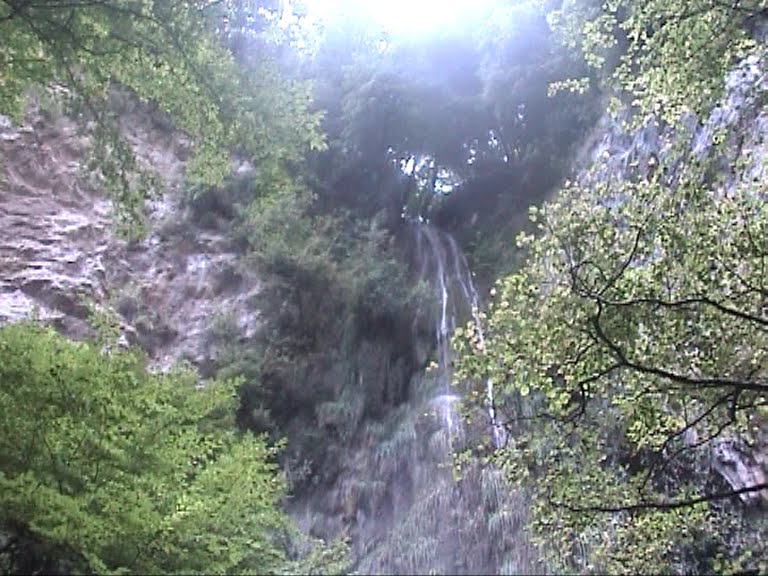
[401,17]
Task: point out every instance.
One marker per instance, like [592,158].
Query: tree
[632,342]
[466,109]
[171,54]
[123,471]
[634,339]
[667,57]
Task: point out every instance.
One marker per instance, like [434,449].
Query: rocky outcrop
[59,250]
[741,467]
[53,231]
[739,123]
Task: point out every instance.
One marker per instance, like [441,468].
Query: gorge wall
[60,249]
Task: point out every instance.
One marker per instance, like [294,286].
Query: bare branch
[683,303]
[688,426]
[628,260]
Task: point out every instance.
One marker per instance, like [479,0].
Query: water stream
[399,496]
[440,258]
[473,522]
[452,521]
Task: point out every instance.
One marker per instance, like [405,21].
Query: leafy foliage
[457,106]
[128,471]
[669,56]
[636,336]
[167,53]
[355,262]
[630,345]
[337,306]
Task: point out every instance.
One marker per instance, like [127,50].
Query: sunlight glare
[399,16]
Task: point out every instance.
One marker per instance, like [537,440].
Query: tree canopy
[635,336]
[456,104]
[631,344]
[123,471]
[668,57]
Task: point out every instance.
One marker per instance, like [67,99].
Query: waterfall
[444,266]
[407,505]
[434,262]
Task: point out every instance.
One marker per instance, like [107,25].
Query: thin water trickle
[445,404]
[426,512]
[447,266]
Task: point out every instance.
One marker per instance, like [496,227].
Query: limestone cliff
[59,249]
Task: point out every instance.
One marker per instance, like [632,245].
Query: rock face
[615,153]
[741,467]
[53,232]
[59,250]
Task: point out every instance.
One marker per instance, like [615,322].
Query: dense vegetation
[627,335]
[635,338]
[105,467]
[180,57]
[631,343]
[109,469]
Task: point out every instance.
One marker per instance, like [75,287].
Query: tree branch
[689,425]
[672,505]
[685,302]
[667,374]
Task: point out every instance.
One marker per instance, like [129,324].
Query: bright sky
[401,16]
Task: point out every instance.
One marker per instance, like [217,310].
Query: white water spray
[450,275]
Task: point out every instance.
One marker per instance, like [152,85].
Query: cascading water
[393,492]
[445,323]
[405,506]
[447,523]
[450,266]
[419,517]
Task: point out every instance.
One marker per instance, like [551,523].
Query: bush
[129,471]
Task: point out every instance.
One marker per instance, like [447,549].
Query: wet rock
[741,468]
